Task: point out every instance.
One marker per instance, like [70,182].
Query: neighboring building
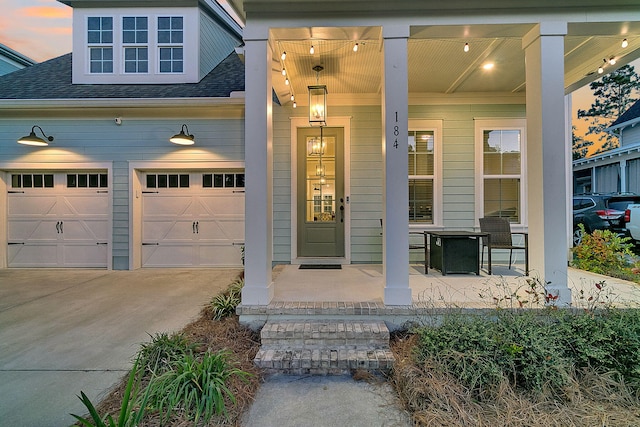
[10,60]
[400,80]
[616,170]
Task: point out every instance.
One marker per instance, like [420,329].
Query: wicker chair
[501,238]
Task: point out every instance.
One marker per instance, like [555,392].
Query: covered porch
[452,74]
[357,291]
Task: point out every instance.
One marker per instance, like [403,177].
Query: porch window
[499,153]
[421,176]
[100,41]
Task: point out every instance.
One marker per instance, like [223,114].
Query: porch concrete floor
[365,283]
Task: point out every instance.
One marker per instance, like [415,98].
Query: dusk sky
[41,30]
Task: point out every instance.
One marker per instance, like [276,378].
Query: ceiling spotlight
[293,97]
[612,61]
[284,55]
[295,105]
[312,50]
[355,47]
[600,70]
[286,81]
[466,47]
[625,43]
[488,66]
[284,72]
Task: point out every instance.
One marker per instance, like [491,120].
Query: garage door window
[29,180]
[223,180]
[87,180]
[168,180]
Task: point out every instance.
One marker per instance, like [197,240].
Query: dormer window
[170,44]
[100,38]
[135,39]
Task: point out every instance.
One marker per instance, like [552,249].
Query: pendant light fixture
[318,101]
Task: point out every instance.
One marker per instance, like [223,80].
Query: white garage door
[58,219]
[193,219]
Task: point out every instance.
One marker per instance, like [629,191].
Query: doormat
[320,267]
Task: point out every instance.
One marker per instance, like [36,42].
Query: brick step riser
[337,360]
[336,342]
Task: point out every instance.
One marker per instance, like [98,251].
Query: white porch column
[623,176]
[546,156]
[395,108]
[258,286]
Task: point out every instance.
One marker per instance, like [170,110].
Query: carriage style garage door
[58,219]
[193,219]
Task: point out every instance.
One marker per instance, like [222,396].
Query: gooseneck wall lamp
[34,140]
[183,138]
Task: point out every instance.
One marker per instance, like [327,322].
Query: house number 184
[396,132]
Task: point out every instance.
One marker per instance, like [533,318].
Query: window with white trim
[135,39]
[100,41]
[171,44]
[500,148]
[424,166]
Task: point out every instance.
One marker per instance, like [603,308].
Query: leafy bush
[602,252]
[198,388]
[163,352]
[535,352]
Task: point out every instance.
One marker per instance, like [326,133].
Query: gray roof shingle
[632,113]
[52,80]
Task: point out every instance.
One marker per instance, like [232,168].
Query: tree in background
[580,146]
[613,94]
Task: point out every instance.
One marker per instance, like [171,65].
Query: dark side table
[456,251]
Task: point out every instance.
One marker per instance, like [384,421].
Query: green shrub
[225,304]
[602,252]
[196,388]
[163,352]
[521,348]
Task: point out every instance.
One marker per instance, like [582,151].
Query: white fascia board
[16,104]
[623,125]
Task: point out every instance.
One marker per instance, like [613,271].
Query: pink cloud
[46,12]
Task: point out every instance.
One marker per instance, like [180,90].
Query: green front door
[321,204]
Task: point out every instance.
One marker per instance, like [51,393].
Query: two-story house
[331,117]
[616,170]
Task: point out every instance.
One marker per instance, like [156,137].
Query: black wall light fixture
[34,140]
[183,138]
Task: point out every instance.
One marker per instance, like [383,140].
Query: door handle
[197,227]
[193,227]
[341,213]
[58,227]
[61,227]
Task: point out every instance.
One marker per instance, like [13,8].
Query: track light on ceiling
[34,140]
[625,43]
[466,47]
[312,50]
[183,138]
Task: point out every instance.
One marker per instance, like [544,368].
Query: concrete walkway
[66,331]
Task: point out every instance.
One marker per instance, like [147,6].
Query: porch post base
[397,296]
[559,296]
[257,295]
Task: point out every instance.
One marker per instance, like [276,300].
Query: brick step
[329,333]
[324,347]
[325,361]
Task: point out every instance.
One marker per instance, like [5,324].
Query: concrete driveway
[63,331]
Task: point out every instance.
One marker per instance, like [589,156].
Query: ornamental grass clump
[196,387]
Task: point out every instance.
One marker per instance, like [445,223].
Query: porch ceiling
[437,61]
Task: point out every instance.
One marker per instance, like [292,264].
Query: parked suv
[600,212]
